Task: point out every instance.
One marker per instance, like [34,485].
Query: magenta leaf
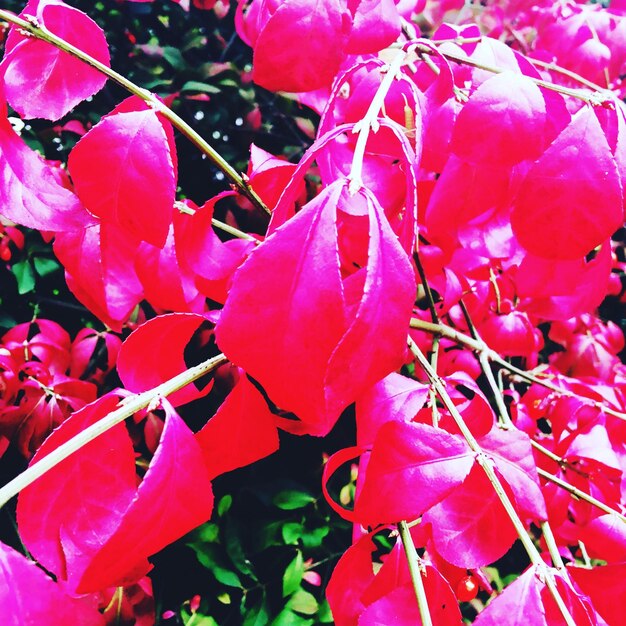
[242,431]
[270,323]
[164,338]
[394,398]
[351,577]
[504,122]
[66,516]
[512,453]
[554,215]
[377,24]
[28,596]
[412,467]
[470,527]
[321,30]
[174,497]
[99,265]
[42,81]
[605,587]
[137,188]
[34,193]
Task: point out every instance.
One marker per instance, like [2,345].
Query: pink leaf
[470,527]
[527,601]
[377,24]
[28,596]
[512,454]
[555,215]
[99,265]
[174,497]
[136,190]
[242,431]
[412,467]
[394,398]
[504,122]
[351,577]
[69,513]
[321,31]
[605,587]
[164,338]
[270,323]
[41,80]
[33,193]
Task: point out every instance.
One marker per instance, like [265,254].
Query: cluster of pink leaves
[505,192]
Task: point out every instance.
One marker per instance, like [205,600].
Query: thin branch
[416,573]
[488,467]
[127,408]
[479,346]
[39,31]
[580,495]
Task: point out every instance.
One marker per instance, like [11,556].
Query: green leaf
[256,616]
[174,57]
[234,549]
[292,531]
[45,266]
[25,275]
[289,618]
[324,614]
[293,575]
[291,499]
[207,556]
[207,533]
[198,87]
[314,538]
[303,602]
[224,505]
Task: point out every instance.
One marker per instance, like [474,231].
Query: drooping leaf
[470,527]
[321,30]
[40,79]
[66,516]
[162,339]
[241,431]
[269,325]
[174,497]
[99,265]
[33,193]
[412,467]
[555,214]
[136,190]
[503,122]
[28,596]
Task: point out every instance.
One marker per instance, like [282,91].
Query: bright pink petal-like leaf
[470,527]
[174,497]
[394,398]
[270,323]
[503,122]
[42,81]
[33,193]
[527,601]
[29,596]
[99,265]
[605,587]
[512,454]
[377,24]
[556,214]
[243,430]
[318,32]
[412,467]
[137,187]
[66,516]
[163,340]
[351,577]
[605,538]
[211,260]
[167,280]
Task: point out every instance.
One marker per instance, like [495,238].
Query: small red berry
[466,589]
[5,252]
